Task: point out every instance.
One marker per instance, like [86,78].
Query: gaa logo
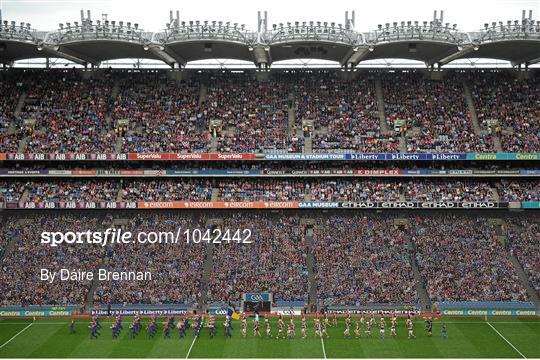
[256,297]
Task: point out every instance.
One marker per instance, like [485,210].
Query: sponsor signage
[378,172]
[218,205]
[269,173]
[140,312]
[282,311]
[304,156]
[365,157]
[72,205]
[272,156]
[217,312]
[504,156]
[256,297]
[401,310]
[193,156]
[270,205]
[45,311]
[489,312]
[530,204]
[23,172]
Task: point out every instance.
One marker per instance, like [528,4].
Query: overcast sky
[152,15]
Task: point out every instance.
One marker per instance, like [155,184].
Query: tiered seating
[163,114]
[345,110]
[436,109]
[274,262]
[69,114]
[460,259]
[523,242]
[513,103]
[362,259]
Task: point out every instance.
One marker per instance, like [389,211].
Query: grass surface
[467,337]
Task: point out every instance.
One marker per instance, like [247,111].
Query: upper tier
[308,112]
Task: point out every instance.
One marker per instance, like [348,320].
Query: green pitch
[467,337]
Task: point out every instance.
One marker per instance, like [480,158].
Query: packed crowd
[522,239]
[166,190]
[362,259]
[253,114]
[9,133]
[263,190]
[358,259]
[11,191]
[69,111]
[65,113]
[366,190]
[176,268]
[461,260]
[345,113]
[162,114]
[519,190]
[435,113]
[20,281]
[269,189]
[448,190]
[8,231]
[71,190]
[274,261]
[513,104]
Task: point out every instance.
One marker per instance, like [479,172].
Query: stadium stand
[162,114]
[9,132]
[356,259]
[20,283]
[11,191]
[359,258]
[147,112]
[519,191]
[344,112]
[166,190]
[435,113]
[523,242]
[7,232]
[362,259]
[509,106]
[66,113]
[253,114]
[178,267]
[274,261]
[268,189]
[460,259]
[71,190]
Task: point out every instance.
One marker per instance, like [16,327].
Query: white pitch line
[17,334]
[509,343]
[323,350]
[191,347]
[496,322]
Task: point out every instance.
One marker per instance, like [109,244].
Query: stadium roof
[433,42]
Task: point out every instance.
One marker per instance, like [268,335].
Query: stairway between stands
[500,233]
[423,297]
[476,125]
[208,266]
[14,239]
[116,223]
[310,260]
